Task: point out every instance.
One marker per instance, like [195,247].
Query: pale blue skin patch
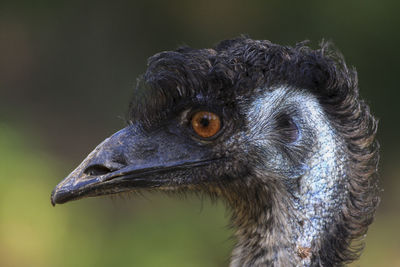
[321,172]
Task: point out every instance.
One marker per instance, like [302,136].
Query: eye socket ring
[206,124]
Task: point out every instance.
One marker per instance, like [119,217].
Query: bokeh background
[67,69]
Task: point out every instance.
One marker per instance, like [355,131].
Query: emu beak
[131,159]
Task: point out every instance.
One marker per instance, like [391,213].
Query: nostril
[95,170]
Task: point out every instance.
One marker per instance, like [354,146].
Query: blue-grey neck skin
[311,172]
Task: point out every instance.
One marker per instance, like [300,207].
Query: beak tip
[52,198]
[67,191]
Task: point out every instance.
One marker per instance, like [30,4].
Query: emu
[279,133]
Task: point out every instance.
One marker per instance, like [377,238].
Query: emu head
[278,132]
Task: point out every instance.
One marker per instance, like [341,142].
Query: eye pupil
[206,124]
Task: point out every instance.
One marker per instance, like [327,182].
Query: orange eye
[206,124]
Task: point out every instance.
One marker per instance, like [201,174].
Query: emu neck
[276,228]
[264,233]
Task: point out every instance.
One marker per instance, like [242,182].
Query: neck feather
[276,228]
[263,228]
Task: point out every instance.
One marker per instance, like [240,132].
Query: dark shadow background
[67,70]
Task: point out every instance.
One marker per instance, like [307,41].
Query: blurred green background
[67,70]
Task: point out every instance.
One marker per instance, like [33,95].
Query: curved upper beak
[128,160]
